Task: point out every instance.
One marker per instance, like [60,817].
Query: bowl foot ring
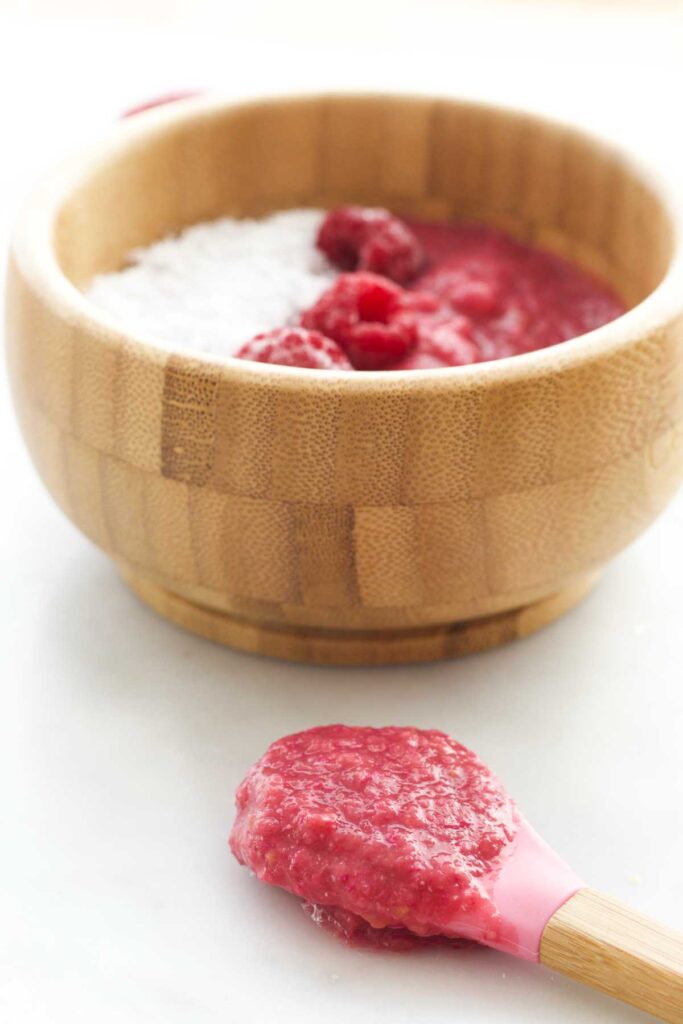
[359,647]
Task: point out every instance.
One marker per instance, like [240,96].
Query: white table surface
[122,738]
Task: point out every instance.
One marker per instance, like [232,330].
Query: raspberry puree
[514,297]
[414,295]
[400,829]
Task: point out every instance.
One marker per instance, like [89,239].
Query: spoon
[406,828]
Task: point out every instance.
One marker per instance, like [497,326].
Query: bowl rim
[33,251]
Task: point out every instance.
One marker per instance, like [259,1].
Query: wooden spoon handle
[603,943]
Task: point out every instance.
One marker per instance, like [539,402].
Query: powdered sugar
[218,284]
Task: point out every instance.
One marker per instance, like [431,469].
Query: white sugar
[218,284]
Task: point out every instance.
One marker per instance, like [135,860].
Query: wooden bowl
[379,517]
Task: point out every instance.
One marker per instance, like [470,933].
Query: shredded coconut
[219,283]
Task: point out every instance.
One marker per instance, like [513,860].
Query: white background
[122,738]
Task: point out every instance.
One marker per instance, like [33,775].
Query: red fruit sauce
[515,297]
[385,834]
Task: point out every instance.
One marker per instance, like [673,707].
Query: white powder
[218,284]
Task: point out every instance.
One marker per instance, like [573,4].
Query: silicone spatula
[406,828]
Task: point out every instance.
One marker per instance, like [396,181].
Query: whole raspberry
[377,346]
[295,346]
[345,230]
[392,250]
[363,238]
[362,313]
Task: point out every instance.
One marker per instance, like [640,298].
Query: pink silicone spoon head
[533,882]
[404,828]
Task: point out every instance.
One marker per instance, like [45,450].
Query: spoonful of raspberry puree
[405,831]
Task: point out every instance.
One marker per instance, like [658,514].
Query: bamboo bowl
[379,517]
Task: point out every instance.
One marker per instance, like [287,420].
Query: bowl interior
[436,159]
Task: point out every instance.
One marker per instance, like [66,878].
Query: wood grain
[303,501]
[358,647]
[605,944]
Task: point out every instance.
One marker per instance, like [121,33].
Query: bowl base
[359,647]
